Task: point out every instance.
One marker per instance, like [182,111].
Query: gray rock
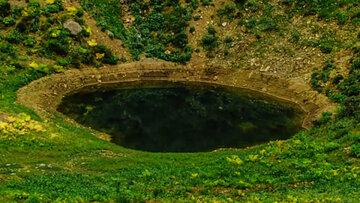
[73,27]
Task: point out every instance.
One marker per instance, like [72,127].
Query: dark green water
[175,117]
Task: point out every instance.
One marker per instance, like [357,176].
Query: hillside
[303,51]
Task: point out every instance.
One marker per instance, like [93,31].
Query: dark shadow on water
[176,117]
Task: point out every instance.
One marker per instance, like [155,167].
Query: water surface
[177,117]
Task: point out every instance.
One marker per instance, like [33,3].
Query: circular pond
[178,117]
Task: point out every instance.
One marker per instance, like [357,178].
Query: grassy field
[54,161]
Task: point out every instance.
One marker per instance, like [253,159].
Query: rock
[73,27]
[110,34]
[262,69]
[224,24]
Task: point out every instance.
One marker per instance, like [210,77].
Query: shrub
[62,62]
[6,47]
[350,86]
[228,12]
[355,65]
[211,30]
[337,79]
[209,42]
[108,58]
[341,17]
[14,37]
[352,107]
[326,48]
[355,149]
[33,10]
[331,146]
[4,8]
[206,2]
[80,12]
[30,42]
[192,29]
[56,46]
[180,40]
[197,17]
[8,21]
[228,39]
[326,117]
[295,35]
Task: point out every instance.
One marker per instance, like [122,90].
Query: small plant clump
[210,41]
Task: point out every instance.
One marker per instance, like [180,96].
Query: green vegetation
[55,161]
[210,41]
[156,28]
[47,37]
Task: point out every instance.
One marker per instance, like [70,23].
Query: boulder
[74,27]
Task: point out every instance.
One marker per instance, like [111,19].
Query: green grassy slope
[54,161]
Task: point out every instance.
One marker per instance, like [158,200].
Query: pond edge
[45,94]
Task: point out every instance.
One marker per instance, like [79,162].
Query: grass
[56,161]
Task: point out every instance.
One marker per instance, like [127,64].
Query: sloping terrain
[51,159]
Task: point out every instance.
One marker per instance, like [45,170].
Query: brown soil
[45,94]
[101,37]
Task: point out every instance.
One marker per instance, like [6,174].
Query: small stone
[224,24]
[110,34]
[73,27]
[42,165]
[262,69]
[7,165]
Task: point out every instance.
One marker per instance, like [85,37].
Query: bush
[30,42]
[337,79]
[180,40]
[56,46]
[206,2]
[342,17]
[8,21]
[197,17]
[350,86]
[209,42]
[326,117]
[15,37]
[228,12]
[326,48]
[352,107]
[355,65]
[331,146]
[355,149]
[108,58]
[228,39]
[62,62]
[4,8]
[192,29]
[6,47]
[211,30]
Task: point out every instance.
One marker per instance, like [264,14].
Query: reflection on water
[175,117]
